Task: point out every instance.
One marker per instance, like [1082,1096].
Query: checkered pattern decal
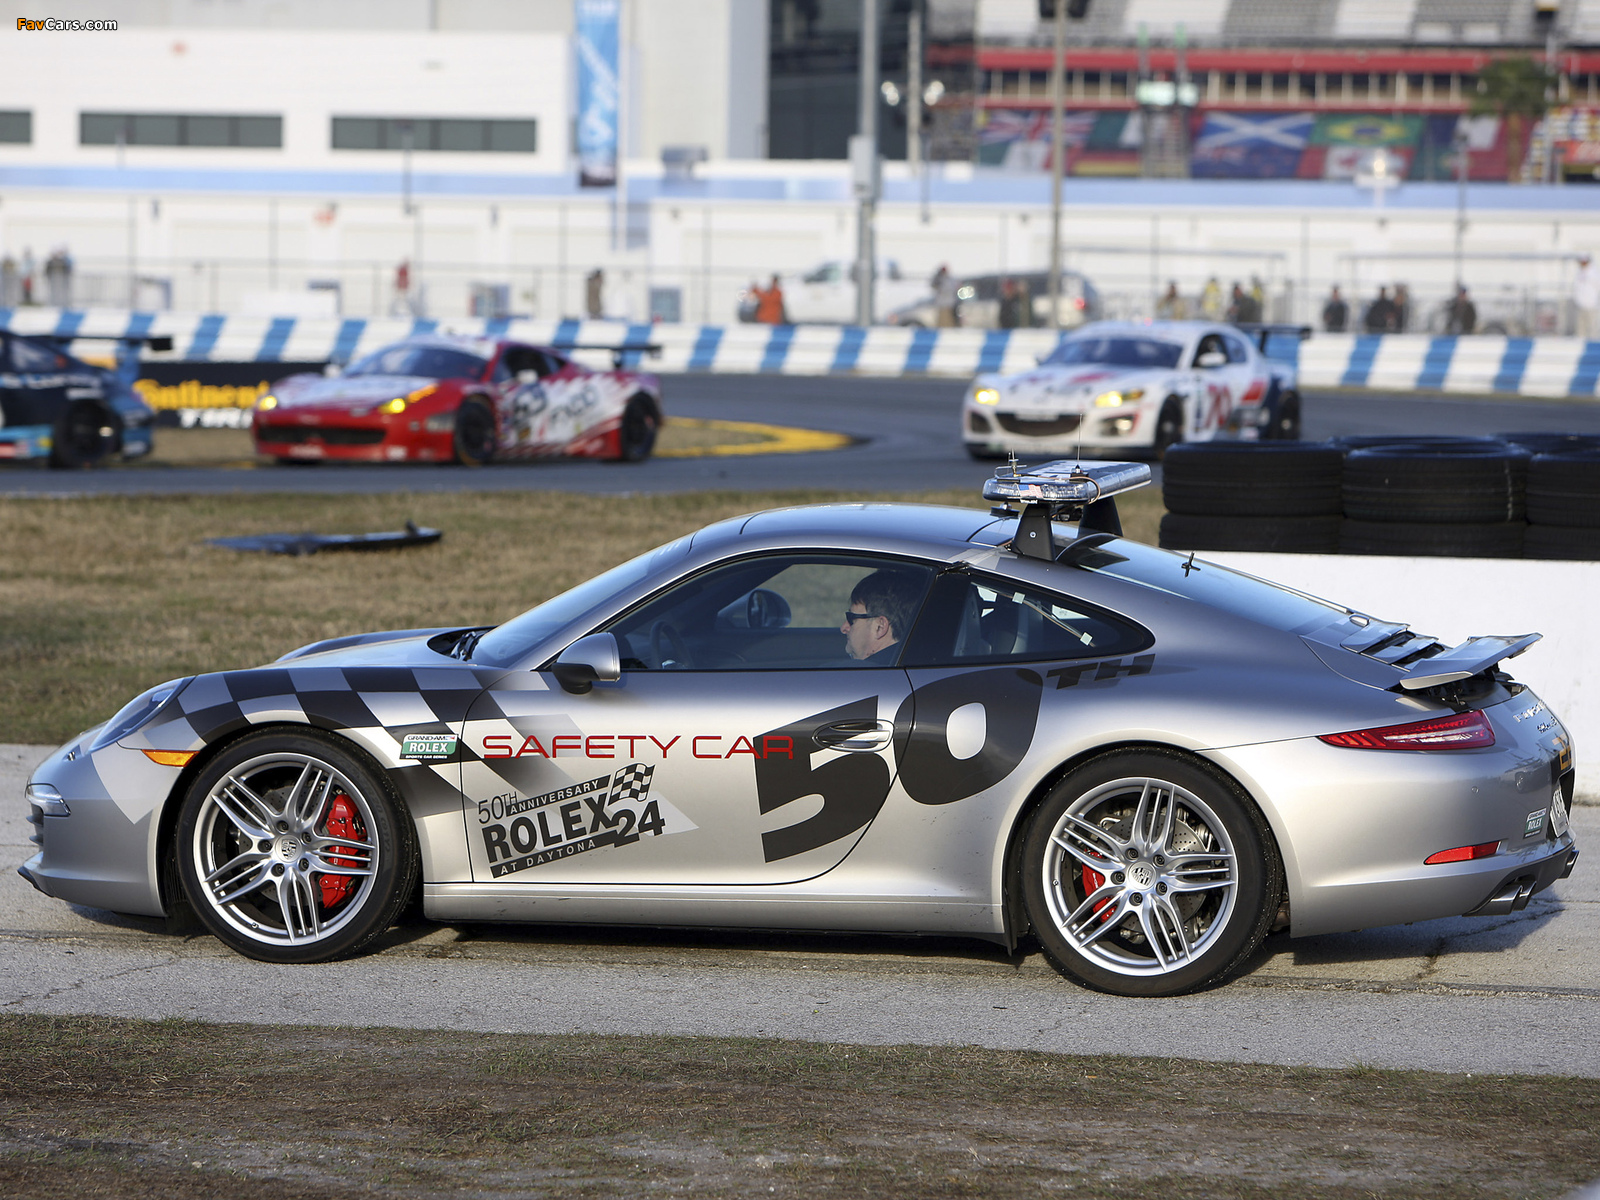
[631,783]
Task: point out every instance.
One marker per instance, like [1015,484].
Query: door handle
[862,735]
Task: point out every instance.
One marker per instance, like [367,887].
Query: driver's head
[881,607]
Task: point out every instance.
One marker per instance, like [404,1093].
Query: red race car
[464,400]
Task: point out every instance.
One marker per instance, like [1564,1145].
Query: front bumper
[999,429]
[342,438]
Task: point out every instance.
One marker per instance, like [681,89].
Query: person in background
[1380,313]
[1172,307]
[769,304]
[1586,299]
[944,296]
[27,276]
[594,294]
[1402,307]
[402,289]
[1335,313]
[1010,304]
[10,283]
[1245,308]
[1211,305]
[1462,315]
[1259,295]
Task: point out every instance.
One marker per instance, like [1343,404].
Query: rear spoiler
[1262,332]
[618,353]
[1473,656]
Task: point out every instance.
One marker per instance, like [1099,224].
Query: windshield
[1118,352]
[429,362]
[508,643]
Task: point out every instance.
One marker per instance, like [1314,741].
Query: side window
[778,612]
[1238,352]
[524,358]
[1211,343]
[28,358]
[503,370]
[976,619]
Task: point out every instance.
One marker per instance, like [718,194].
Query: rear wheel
[83,436]
[1146,875]
[1169,426]
[292,850]
[475,435]
[637,436]
[1283,423]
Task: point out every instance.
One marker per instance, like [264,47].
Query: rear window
[1221,588]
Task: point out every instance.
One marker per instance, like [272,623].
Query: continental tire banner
[596,43]
[210,394]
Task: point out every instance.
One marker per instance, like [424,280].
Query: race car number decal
[853,787]
[929,773]
[521,832]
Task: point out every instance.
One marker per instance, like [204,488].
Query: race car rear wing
[1263,332]
[619,354]
[1466,660]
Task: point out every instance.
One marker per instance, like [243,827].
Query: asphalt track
[1516,994]
[905,430]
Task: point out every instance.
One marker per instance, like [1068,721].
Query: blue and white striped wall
[1396,362]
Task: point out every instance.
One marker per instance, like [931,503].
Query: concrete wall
[1457,598]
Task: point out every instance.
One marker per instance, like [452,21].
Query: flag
[1250,146]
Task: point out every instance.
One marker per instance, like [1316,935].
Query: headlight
[267,403]
[136,712]
[1117,399]
[986,396]
[397,405]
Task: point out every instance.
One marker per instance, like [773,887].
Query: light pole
[1460,144]
[864,164]
[1057,146]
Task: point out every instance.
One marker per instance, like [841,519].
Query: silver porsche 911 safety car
[864,717]
[1131,389]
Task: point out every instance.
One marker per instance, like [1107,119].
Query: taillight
[1460,731]
[1464,853]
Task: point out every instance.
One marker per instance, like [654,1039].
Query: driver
[881,607]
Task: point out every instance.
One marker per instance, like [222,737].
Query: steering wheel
[666,645]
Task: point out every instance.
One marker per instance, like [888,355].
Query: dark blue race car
[57,407]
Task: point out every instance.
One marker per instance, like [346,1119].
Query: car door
[33,383]
[740,745]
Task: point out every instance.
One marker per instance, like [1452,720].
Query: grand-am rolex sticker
[428,747]
[522,832]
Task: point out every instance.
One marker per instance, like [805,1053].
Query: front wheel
[1284,419]
[1169,426]
[84,435]
[291,850]
[1146,875]
[475,435]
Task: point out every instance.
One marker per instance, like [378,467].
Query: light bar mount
[1063,490]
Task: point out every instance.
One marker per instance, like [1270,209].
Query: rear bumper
[1513,892]
[26,441]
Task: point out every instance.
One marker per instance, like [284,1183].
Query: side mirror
[588,661]
[1212,358]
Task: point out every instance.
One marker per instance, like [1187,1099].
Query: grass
[103,597]
[101,1106]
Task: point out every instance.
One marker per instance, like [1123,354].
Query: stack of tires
[1274,496]
[1563,494]
[1439,496]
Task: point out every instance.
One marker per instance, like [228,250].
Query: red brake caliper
[1093,881]
[342,822]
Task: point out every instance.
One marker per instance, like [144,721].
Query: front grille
[296,435]
[1049,428]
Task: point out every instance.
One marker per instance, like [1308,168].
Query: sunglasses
[853,617]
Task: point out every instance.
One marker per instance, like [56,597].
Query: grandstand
[1309,89]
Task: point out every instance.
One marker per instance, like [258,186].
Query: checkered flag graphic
[631,783]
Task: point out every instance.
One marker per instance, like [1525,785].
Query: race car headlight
[986,396]
[1116,399]
[136,712]
[267,403]
[395,406]
[398,405]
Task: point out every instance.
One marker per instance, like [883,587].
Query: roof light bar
[1459,731]
[1066,482]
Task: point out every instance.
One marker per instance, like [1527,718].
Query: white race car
[1137,387]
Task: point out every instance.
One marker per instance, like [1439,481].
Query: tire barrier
[1249,479]
[1532,495]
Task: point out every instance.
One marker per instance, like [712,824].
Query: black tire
[1562,542]
[83,436]
[1169,427]
[1420,441]
[476,436]
[1264,535]
[1445,485]
[289,902]
[1553,443]
[1564,489]
[1502,539]
[1283,418]
[636,436]
[1149,817]
[1281,479]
